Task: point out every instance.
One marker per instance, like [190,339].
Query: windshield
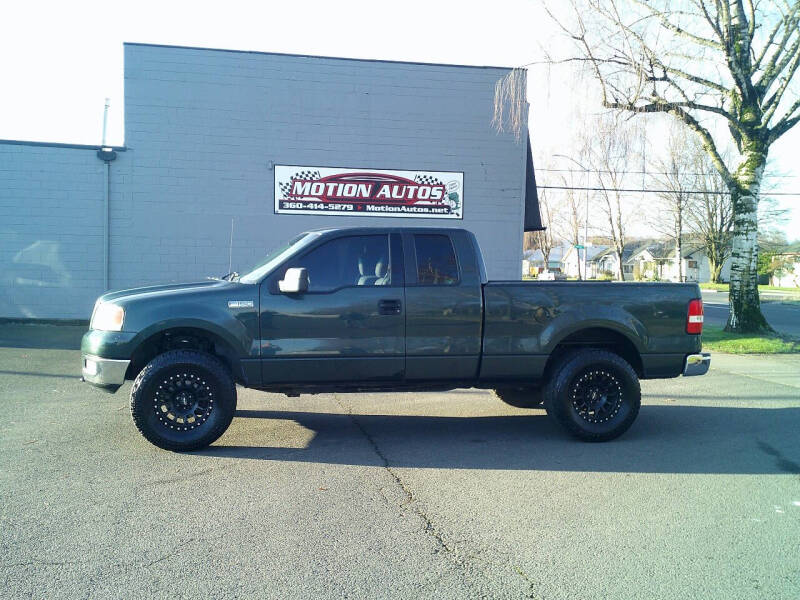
[276,257]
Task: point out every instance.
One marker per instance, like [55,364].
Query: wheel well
[184,338]
[598,337]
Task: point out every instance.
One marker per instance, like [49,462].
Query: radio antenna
[230,250]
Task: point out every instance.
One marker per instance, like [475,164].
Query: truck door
[350,324]
[443,307]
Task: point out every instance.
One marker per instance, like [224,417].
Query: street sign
[579,246]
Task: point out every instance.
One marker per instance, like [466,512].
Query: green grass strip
[717,340]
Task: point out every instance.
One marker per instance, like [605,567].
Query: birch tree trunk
[745,304]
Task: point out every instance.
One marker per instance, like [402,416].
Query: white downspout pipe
[107,156]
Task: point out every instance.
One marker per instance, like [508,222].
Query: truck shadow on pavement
[665,439]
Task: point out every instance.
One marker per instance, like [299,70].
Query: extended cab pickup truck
[352,310]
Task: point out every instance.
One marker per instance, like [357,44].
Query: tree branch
[677,30]
[786,123]
[640,67]
[687,103]
[788,57]
[695,79]
[678,111]
[770,39]
[790,22]
[751,28]
[772,103]
[714,23]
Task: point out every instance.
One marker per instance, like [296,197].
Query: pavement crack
[177,478]
[177,549]
[410,503]
[531,583]
[44,563]
[466,561]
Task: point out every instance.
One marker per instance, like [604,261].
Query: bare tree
[545,239]
[569,220]
[706,63]
[610,151]
[709,214]
[675,178]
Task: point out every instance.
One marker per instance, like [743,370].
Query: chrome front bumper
[697,364]
[103,372]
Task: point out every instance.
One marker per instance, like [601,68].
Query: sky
[60,60]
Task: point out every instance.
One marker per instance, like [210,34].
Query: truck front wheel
[593,394]
[183,400]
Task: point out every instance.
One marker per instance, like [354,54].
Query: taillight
[694,320]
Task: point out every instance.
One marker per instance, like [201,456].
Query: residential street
[432,495]
[784,317]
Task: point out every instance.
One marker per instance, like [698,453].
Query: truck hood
[133,294]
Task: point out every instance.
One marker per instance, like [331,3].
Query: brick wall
[51,231]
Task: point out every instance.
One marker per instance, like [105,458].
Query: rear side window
[436,260]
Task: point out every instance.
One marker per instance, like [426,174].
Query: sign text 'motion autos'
[304,190]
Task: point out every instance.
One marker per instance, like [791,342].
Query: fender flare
[603,317]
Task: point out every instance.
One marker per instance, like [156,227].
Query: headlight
[108,317]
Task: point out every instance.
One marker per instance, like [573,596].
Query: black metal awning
[533,220]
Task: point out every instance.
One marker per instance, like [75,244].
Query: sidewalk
[783,369]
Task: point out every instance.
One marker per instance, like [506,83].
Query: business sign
[368,192]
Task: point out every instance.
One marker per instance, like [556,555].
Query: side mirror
[295,281]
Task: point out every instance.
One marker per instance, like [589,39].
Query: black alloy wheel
[597,395]
[183,400]
[594,394]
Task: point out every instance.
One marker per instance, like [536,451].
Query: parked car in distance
[550,276]
[388,309]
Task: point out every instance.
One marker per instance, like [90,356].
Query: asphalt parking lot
[434,495]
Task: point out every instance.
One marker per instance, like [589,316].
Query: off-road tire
[522,397]
[198,376]
[588,379]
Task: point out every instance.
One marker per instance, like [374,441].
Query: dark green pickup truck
[352,310]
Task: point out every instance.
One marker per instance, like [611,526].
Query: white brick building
[204,130]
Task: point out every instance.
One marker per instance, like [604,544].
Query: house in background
[601,261]
[657,261]
[533,261]
[573,261]
[787,270]
[645,259]
[604,264]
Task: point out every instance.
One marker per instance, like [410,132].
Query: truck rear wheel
[183,400]
[593,394]
[521,397]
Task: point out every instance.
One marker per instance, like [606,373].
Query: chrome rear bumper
[697,364]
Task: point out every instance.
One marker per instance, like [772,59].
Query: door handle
[389,307]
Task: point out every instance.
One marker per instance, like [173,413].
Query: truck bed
[526,321]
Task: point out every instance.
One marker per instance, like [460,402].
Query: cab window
[349,261]
[436,260]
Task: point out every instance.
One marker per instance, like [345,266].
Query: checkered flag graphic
[286,188]
[427,180]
